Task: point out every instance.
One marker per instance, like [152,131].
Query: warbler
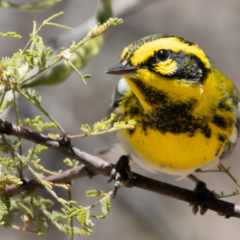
[187,111]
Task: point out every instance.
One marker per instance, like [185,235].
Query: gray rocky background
[136,214]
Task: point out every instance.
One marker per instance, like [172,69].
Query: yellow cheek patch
[147,50]
[167,67]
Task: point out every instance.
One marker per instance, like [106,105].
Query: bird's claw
[121,174]
[64,139]
[203,197]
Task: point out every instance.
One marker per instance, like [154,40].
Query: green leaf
[5,161]
[5,104]
[33,95]
[106,208]
[36,123]
[68,162]
[26,209]
[71,163]
[67,229]
[6,180]
[8,218]
[3,210]
[94,193]
[39,148]
[47,203]
[17,60]
[37,40]
[10,34]
[30,56]
[86,128]
[57,216]
[41,226]
[98,217]
[87,76]
[82,217]
[13,71]
[13,66]
[16,143]
[3,146]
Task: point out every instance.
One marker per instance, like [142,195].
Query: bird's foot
[203,198]
[121,174]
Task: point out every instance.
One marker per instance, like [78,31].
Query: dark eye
[163,55]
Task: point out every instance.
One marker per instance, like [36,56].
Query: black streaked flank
[222,137]
[221,122]
[224,106]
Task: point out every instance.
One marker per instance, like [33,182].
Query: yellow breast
[171,153]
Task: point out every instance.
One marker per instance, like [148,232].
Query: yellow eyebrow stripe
[175,44]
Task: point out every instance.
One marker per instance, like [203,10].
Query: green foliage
[9,214]
[105,201]
[10,34]
[33,96]
[106,207]
[94,193]
[13,77]
[71,163]
[6,179]
[41,226]
[37,149]
[14,145]
[5,104]
[36,123]
[82,215]
[104,127]
[58,216]
[16,61]
[13,67]
[3,211]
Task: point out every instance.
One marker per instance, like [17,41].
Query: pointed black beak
[121,69]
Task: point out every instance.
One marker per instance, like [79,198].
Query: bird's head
[165,63]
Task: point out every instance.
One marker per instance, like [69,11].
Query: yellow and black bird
[187,111]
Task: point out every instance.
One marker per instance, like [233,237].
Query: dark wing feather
[118,95]
[230,145]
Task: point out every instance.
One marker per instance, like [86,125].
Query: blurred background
[136,214]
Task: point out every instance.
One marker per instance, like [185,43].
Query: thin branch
[229,174]
[64,177]
[94,166]
[39,106]
[19,139]
[70,198]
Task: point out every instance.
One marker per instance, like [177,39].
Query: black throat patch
[167,115]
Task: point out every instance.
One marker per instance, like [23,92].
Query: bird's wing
[232,141]
[118,95]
